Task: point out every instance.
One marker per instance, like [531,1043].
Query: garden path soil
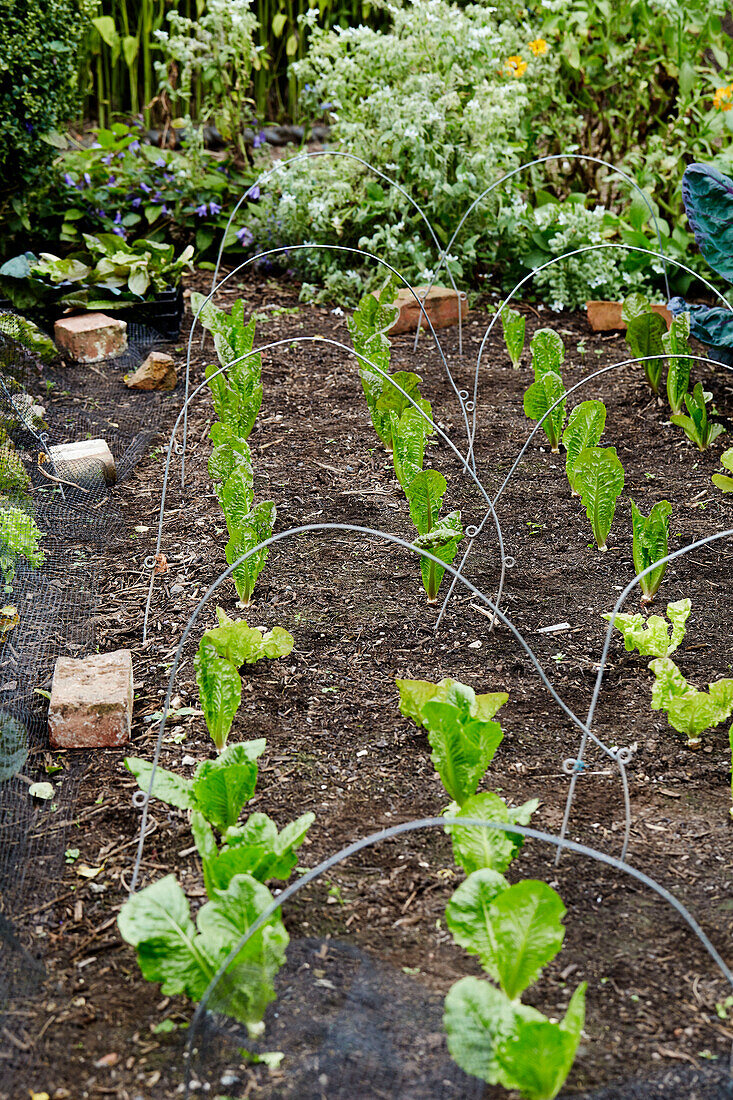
[337,745]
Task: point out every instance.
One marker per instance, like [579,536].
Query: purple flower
[121,154]
[136,202]
[259,139]
[144,187]
[168,177]
[160,163]
[214,208]
[112,181]
[244,236]
[107,159]
[164,209]
[118,218]
[201,210]
[254,191]
[134,146]
[157,197]
[119,231]
[87,179]
[69,180]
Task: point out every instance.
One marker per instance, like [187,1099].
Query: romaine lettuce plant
[676,343]
[599,479]
[514,931]
[440,536]
[184,956]
[650,537]
[414,694]
[584,429]
[689,711]
[513,327]
[644,332]
[540,396]
[698,429]
[548,352]
[222,651]
[652,637]
[722,481]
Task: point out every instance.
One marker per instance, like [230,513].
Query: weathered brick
[89,337]
[158,372]
[441,305]
[91,701]
[86,462]
[606,316]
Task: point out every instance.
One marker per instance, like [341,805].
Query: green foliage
[408,432]
[599,478]
[475,848]
[414,694]
[676,343]
[19,538]
[698,429]
[38,92]
[513,326]
[539,399]
[442,542]
[463,747]
[644,333]
[184,956]
[689,711]
[722,481]
[508,1043]
[28,335]
[651,637]
[222,651]
[14,478]
[584,429]
[250,530]
[650,537]
[255,848]
[548,352]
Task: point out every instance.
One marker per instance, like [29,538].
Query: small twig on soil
[61,481]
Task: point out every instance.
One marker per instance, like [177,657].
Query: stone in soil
[85,462]
[91,337]
[91,701]
[442,306]
[158,372]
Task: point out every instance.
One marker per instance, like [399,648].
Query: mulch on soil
[337,745]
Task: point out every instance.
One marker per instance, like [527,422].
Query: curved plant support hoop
[620,758]
[298,248]
[578,385]
[545,160]
[604,658]
[257,351]
[437,823]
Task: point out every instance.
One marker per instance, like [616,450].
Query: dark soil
[337,744]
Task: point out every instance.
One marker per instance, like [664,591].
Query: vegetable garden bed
[338,746]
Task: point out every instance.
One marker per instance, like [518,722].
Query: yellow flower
[515,65]
[723,98]
[538,47]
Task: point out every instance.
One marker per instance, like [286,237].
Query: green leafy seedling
[652,637]
[599,479]
[414,694]
[650,540]
[644,333]
[539,398]
[463,747]
[513,326]
[439,536]
[475,848]
[722,481]
[548,352]
[584,429]
[689,711]
[698,429]
[676,343]
[247,532]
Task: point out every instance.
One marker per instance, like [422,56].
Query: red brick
[91,701]
[89,337]
[606,316]
[441,305]
[85,462]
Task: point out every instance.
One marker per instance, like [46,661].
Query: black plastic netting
[56,515]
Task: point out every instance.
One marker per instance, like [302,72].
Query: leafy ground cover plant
[548,353]
[645,330]
[599,479]
[698,429]
[19,539]
[650,539]
[514,931]
[722,481]
[676,343]
[184,956]
[651,637]
[584,429]
[689,711]
[513,327]
[222,652]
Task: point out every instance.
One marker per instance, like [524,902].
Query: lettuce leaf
[652,637]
